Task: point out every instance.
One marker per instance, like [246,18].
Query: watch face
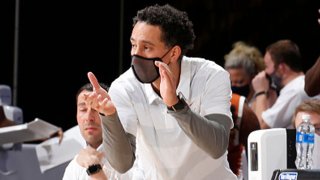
[94,169]
[181,103]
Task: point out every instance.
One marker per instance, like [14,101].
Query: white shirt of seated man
[86,157]
[91,157]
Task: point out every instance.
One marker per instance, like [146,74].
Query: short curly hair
[175,25]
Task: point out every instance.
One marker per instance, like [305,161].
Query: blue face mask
[144,68]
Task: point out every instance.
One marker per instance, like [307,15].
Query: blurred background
[47,47]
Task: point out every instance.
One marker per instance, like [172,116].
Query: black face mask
[276,81]
[243,90]
[144,68]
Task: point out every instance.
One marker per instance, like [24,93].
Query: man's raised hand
[99,98]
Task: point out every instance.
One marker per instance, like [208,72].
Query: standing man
[175,108]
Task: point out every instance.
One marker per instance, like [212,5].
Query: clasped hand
[89,156]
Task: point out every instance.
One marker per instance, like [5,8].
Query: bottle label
[299,137]
[308,138]
[304,138]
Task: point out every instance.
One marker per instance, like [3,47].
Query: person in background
[90,163]
[319,18]
[173,109]
[311,107]
[312,79]
[283,65]
[243,63]
[245,121]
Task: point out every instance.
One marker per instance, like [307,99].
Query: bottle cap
[305,117]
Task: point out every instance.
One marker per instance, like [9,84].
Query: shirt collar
[185,78]
[151,94]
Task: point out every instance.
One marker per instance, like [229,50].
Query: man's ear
[175,53]
[283,67]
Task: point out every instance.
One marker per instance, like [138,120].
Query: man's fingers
[163,66]
[93,80]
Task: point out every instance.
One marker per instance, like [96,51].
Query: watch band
[180,104]
[261,93]
[93,169]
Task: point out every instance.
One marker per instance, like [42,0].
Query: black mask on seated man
[276,81]
[144,68]
[242,90]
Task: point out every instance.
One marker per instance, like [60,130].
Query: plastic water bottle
[304,143]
